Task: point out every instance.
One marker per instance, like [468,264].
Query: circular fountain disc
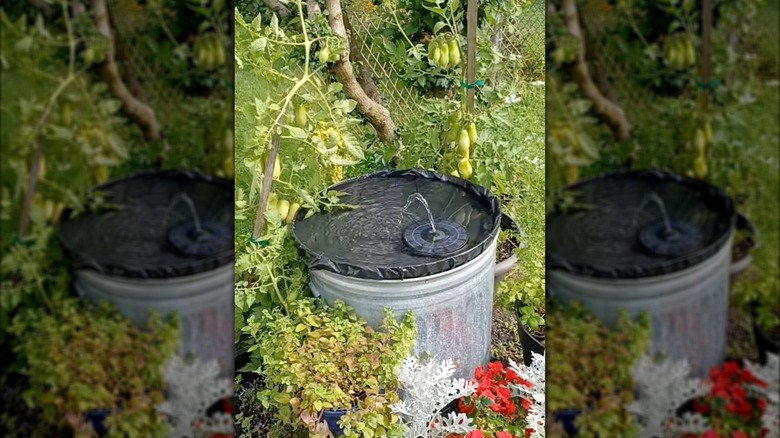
[615,226]
[213,238]
[383,238]
[448,238]
[681,239]
[144,228]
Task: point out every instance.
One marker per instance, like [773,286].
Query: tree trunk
[138,111]
[376,114]
[608,111]
[277,7]
[364,73]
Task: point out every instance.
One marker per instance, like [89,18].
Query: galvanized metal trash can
[163,241]
[385,253]
[648,241]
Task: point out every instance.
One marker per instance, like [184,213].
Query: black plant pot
[567,417]
[764,343]
[528,342]
[96,418]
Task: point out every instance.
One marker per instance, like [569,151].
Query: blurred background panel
[116,315]
[662,199]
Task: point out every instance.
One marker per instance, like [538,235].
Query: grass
[520,145]
[746,163]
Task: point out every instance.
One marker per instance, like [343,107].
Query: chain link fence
[518,37]
[638,100]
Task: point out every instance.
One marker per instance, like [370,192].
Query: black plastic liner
[602,240]
[367,242]
[143,215]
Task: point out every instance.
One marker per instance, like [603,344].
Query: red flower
[526,404]
[511,376]
[495,367]
[479,372]
[701,406]
[503,393]
[475,434]
[510,409]
[710,434]
[464,407]
[738,434]
[487,393]
[503,435]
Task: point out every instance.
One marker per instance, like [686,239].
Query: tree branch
[312,9]
[41,6]
[599,73]
[608,111]
[364,73]
[377,115]
[129,75]
[277,7]
[138,111]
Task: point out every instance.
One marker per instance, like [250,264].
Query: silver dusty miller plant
[534,374]
[192,387]
[425,389]
[664,386]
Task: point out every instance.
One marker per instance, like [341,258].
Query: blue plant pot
[331,418]
[567,417]
[97,417]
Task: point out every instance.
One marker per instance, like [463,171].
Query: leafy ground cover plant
[585,347]
[318,358]
[83,359]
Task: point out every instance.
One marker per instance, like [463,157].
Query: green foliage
[746,165]
[281,80]
[82,359]
[32,275]
[570,144]
[510,161]
[273,275]
[592,368]
[56,102]
[317,357]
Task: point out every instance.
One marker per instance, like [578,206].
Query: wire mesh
[518,38]
[130,23]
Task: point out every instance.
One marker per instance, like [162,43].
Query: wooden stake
[268,177]
[32,182]
[706,53]
[471,58]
